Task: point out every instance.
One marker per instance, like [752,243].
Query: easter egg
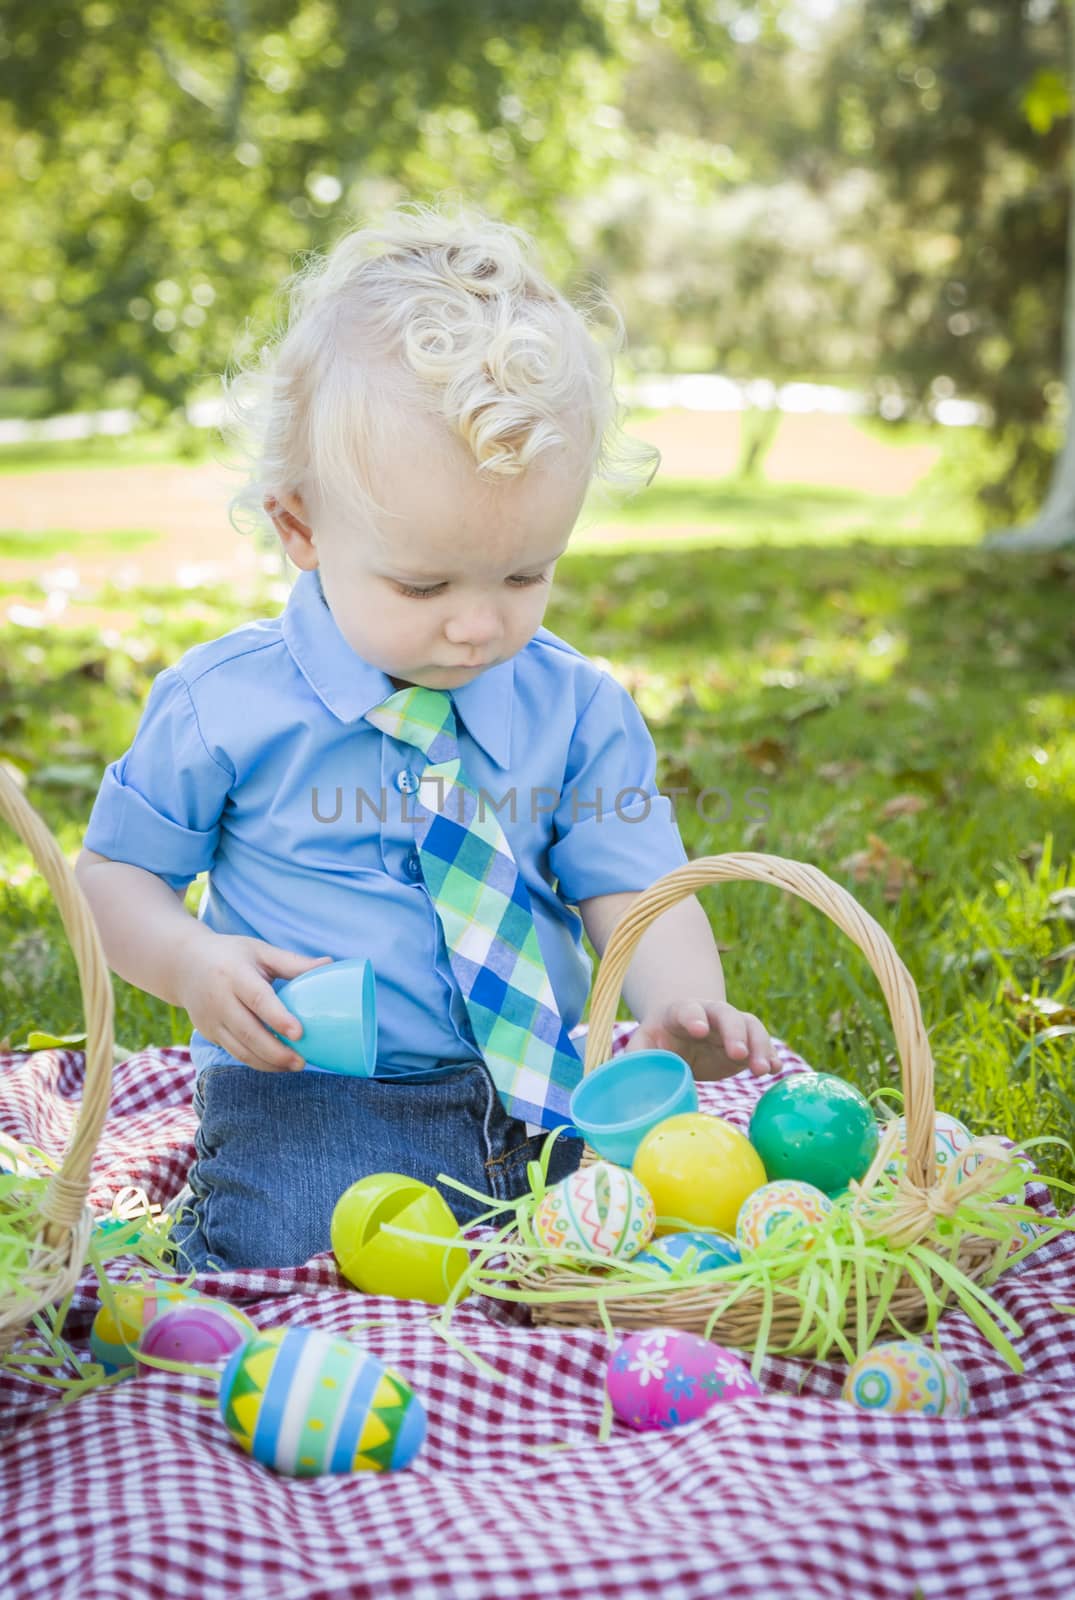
[699,1171]
[771,1205]
[600,1210]
[663,1377]
[385,1263]
[950,1141]
[1027,1233]
[306,1403]
[815,1127]
[113,1338]
[204,1331]
[905,1375]
[690,1252]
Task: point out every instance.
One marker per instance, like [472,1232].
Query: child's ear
[289,519]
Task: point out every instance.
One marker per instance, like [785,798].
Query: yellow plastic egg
[379,1262]
[699,1171]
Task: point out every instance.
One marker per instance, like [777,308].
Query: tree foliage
[961,109]
[167,162]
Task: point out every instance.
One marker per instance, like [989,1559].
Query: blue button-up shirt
[253,763]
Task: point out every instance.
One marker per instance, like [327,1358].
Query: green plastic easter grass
[40,1352]
[843,1272]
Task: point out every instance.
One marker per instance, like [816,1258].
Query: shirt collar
[350,687]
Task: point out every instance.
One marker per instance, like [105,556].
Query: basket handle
[65,1196]
[901,996]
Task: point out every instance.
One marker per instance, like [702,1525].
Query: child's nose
[477,626]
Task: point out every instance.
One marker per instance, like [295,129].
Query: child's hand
[225,985]
[712,1037]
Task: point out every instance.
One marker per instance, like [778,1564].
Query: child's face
[458,578]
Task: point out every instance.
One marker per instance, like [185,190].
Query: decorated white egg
[951,1139]
[600,1210]
[1026,1235]
[307,1403]
[771,1206]
[905,1375]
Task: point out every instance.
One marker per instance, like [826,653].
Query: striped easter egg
[204,1331]
[600,1210]
[306,1403]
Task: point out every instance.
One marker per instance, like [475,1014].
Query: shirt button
[407,782]
[413,865]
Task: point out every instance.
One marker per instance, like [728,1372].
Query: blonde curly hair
[445,309]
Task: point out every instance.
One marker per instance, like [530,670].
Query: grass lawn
[837,680]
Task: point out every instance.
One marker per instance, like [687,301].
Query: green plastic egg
[817,1128]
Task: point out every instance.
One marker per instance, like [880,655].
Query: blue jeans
[276,1150]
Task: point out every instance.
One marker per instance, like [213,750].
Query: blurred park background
[838,234]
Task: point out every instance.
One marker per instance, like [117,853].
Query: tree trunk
[1054,525]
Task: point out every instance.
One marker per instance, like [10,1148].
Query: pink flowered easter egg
[203,1332]
[662,1377]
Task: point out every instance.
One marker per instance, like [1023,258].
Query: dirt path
[194,544]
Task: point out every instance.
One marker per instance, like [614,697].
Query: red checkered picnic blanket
[133,1492]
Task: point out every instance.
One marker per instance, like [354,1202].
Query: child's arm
[144,925]
[223,981]
[675,987]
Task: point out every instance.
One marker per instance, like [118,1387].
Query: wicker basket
[692,1307]
[59,1252]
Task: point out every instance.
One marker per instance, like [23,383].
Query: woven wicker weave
[690,1307]
[59,1252]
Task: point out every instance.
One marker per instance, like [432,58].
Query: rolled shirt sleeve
[159,805]
[613,831]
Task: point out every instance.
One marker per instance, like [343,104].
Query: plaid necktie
[485,912]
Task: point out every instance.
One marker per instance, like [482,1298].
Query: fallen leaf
[1035,1012]
[810,708]
[1063,904]
[768,755]
[878,863]
[903,805]
[840,771]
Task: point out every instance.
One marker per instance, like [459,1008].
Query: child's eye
[423,594]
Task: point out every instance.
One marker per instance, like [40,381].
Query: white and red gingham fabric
[134,1492]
